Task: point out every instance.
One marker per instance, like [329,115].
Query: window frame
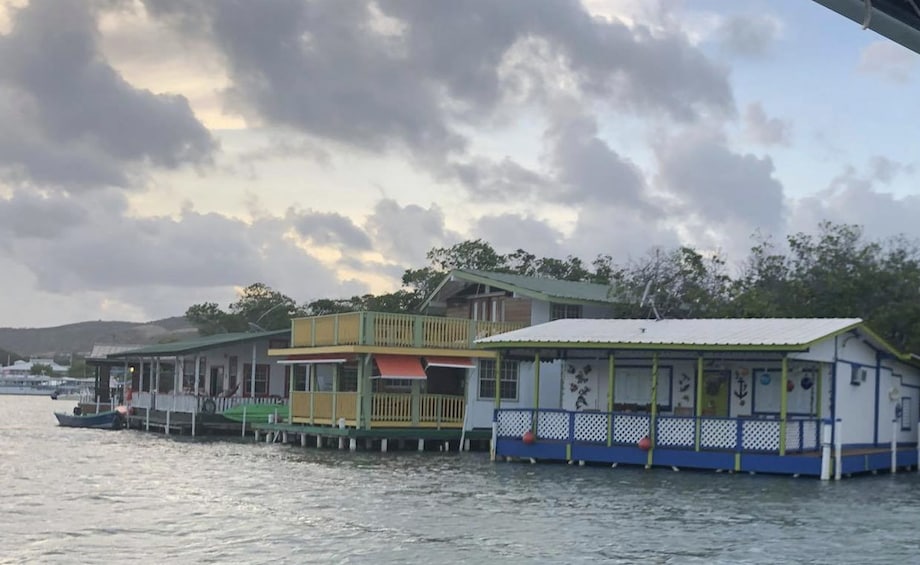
[510,376]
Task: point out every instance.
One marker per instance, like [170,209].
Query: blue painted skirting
[809,465]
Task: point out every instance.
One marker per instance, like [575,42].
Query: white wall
[855,404]
[221,357]
[480,409]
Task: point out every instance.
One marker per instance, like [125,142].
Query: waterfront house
[205,376]
[725,394]
[389,375]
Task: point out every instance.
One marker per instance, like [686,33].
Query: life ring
[209,406]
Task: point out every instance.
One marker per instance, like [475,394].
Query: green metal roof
[198,344]
[541,288]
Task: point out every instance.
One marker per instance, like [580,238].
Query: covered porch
[379,391]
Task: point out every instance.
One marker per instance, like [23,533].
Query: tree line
[836,272]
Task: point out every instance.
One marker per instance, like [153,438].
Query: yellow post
[335,389]
[783,399]
[536,391]
[654,415]
[699,400]
[312,376]
[611,382]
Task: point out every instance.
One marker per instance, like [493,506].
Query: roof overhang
[898,20]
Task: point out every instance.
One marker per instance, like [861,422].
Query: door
[216,381]
[716,386]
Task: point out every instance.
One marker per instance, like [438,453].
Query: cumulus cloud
[760,128]
[331,229]
[888,60]
[70,119]
[749,35]
[724,191]
[406,233]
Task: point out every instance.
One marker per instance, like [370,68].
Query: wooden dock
[375,439]
[181,423]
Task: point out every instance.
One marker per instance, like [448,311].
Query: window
[300,376]
[564,311]
[509,379]
[348,379]
[261,379]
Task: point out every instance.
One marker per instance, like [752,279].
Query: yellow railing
[393,330]
[391,408]
[441,409]
[317,407]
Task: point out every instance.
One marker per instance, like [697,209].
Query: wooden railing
[387,410]
[324,408]
[393,330]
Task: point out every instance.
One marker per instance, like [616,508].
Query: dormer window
[564,311]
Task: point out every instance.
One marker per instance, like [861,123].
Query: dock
[374,439]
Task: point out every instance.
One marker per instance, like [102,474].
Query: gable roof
[898,20]
[541,288]
[749,333]
[198,344]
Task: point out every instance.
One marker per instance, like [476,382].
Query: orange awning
[399,367]
[456,362]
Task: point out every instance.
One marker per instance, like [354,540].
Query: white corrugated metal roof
[694,332]
[100,351]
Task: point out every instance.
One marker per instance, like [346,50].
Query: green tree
[258,307]
[41,369]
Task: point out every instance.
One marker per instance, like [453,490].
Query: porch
[731,444]
[386,410]
[197,404]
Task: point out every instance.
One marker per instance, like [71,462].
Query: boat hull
[111,420]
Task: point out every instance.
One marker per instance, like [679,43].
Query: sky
[156,154]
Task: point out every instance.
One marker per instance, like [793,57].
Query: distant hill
[80,337]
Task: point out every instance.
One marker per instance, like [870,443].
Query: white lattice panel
[718,434]
[513,423]
[761,435]
[591,426]
[792,436]
[810,434]
[553,425]
[675,432]
[629,429]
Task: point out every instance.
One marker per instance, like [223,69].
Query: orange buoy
[645,443]
[529,437]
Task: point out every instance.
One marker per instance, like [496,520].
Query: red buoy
[529,437]
[645,443]
[790,385]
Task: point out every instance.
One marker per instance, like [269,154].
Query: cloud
[405,234]
[330,228]
[888,60]
[764,130]
[387,75]
[70,119]
[510,232]
[749,35]
[853,197]
[723,192]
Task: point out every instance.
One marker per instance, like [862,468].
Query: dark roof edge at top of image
[197,344]
[898,20]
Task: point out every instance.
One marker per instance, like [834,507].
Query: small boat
[54,395]
[255,412]
[110,420]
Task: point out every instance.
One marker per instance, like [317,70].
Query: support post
[352,444]
[311,376]
[838,449]
[493,447]
[336,369]
[244,420]
[653,419]
[178,371]
[827,432]
[421,445]
[894,445]
[699,402]
[303,440]
[168,412]
[194,417]
[783,403]
[536,392]
[819,386]
[252,373]
[383,445]
[147,420]
[611,396]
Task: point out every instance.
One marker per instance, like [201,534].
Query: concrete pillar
[421,445]
[383,445]
[352,444]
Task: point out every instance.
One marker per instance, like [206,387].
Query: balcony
[393,330]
